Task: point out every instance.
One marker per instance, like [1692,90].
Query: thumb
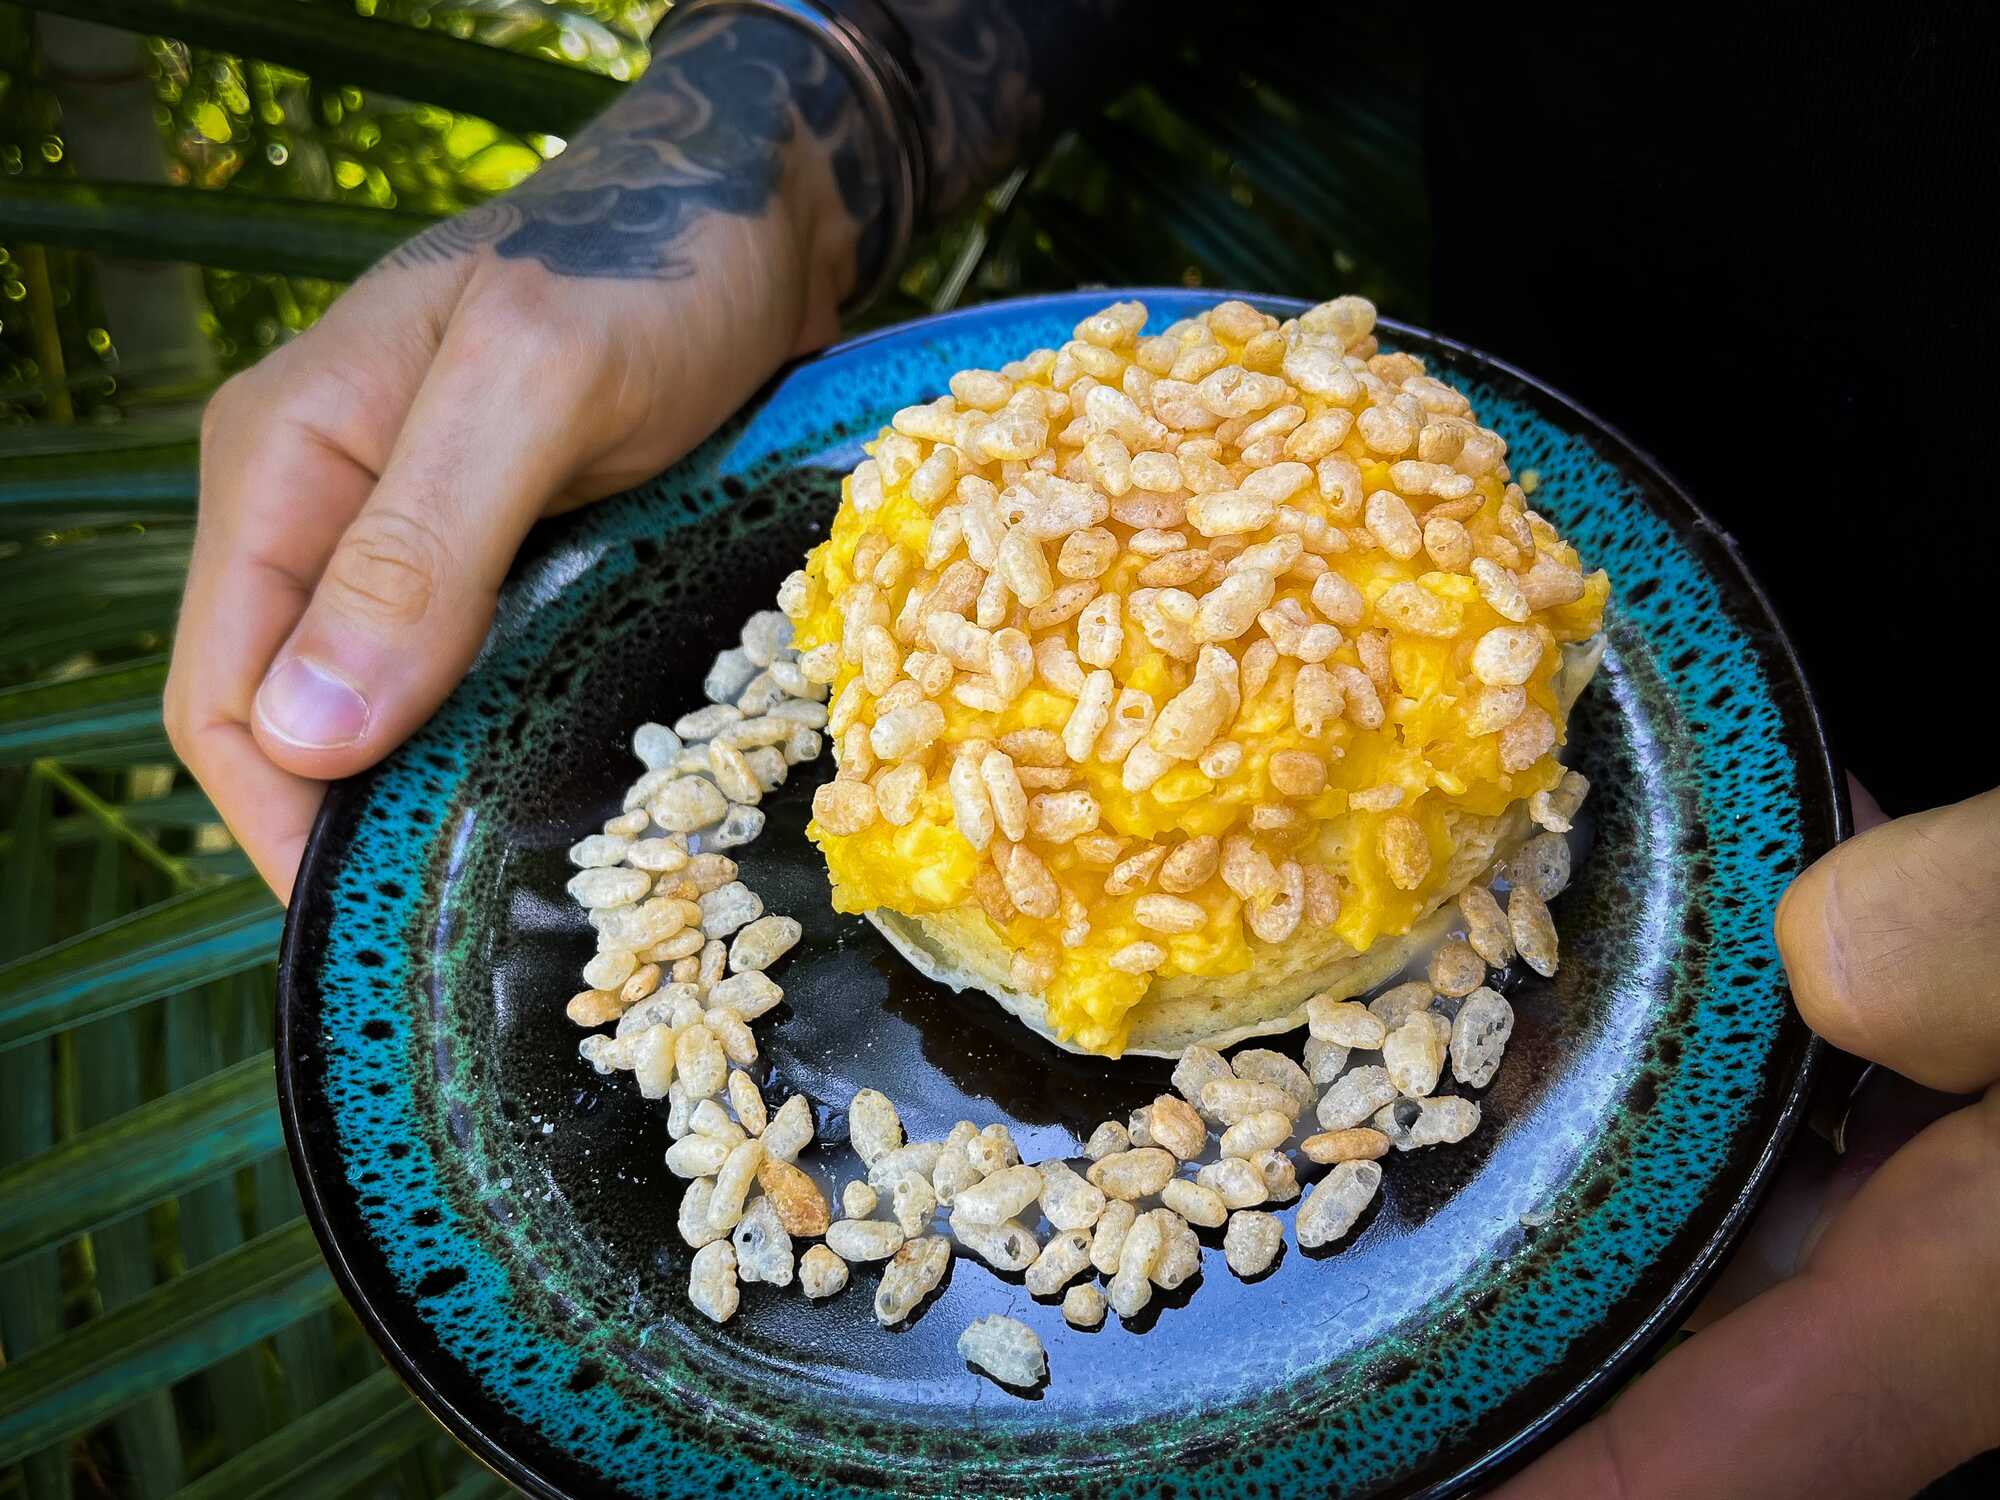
[1891,943]
[406,596]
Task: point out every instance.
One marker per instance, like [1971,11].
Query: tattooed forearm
[712,127]
[705,132]
[994,74]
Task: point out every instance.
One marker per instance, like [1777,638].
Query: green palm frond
[150,1152]
[166,1325]
[109,714]
[231,1303]
[294,236]
[159,950]
[522,92]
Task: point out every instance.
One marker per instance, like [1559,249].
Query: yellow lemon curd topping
[1152,650]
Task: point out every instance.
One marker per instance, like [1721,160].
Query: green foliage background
[166,1324]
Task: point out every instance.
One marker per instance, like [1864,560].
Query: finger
[272,810]
[289,454]
[1816,1183]
[408,592]
[1892,942]
[1867,1375]
[248,581]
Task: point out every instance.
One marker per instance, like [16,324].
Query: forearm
[749,116]
[741,116]
[993,75]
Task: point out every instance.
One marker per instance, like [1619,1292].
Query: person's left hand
[1873,1364]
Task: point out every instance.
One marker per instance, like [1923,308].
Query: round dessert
[1179,679]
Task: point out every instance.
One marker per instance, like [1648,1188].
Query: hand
[364,488]
[1873,1365]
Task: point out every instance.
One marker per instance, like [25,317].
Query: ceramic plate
[500,1216]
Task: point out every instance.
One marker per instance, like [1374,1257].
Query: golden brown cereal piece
[800,1205]
[1358,1143]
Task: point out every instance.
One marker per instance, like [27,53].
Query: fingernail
[305,703]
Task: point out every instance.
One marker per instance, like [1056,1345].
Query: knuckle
[387,570]
[225,406]
[523,316]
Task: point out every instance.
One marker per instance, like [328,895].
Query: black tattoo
[703,132]
[995,74]
[706,130]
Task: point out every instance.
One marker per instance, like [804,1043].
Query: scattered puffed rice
[1395,1006]
[912,1274]
[1005,1348]
[1231,1100]
[1107,1139]
[733,1182]
[1356,1143]
[1007,1246]
[1486,926]
[1479,1034]
[749,994]
[1196,1067]
[913,1201]
[1133,1174]
[1069,1201]
[763,1248]
[863,1239]
[1196,1203]
[1172,1124]
[1258,1132]
[1108,1237]
[992,1150]
[762,943]
[1338,1200]
[1344,1023]
[790,1130]
[1542,865]
[729,907]
[920,1157]
[1235,1181]
[598,850]
[858,1200]
[1325,1061]
[800,1205]
[1414,1055]
[1267,1066]
[873,1127]
[1280,1174]
[1252,1242]
[953,1174]
[1533,929]
[712,1281]
[608,887]
[1441,1121]
[1456,968]
[1064,1258]
[1000,1197]
[1355,1096]
[821,1273]
[1180,1251]
[692,1219]
[1083,1306]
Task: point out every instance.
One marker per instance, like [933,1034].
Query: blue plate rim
[1580,1399]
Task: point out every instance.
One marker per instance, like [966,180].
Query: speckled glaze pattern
[499,1216]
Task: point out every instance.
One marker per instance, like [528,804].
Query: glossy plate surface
[501,1218]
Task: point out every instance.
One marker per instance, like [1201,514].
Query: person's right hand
[1871,1363]
[364,488]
